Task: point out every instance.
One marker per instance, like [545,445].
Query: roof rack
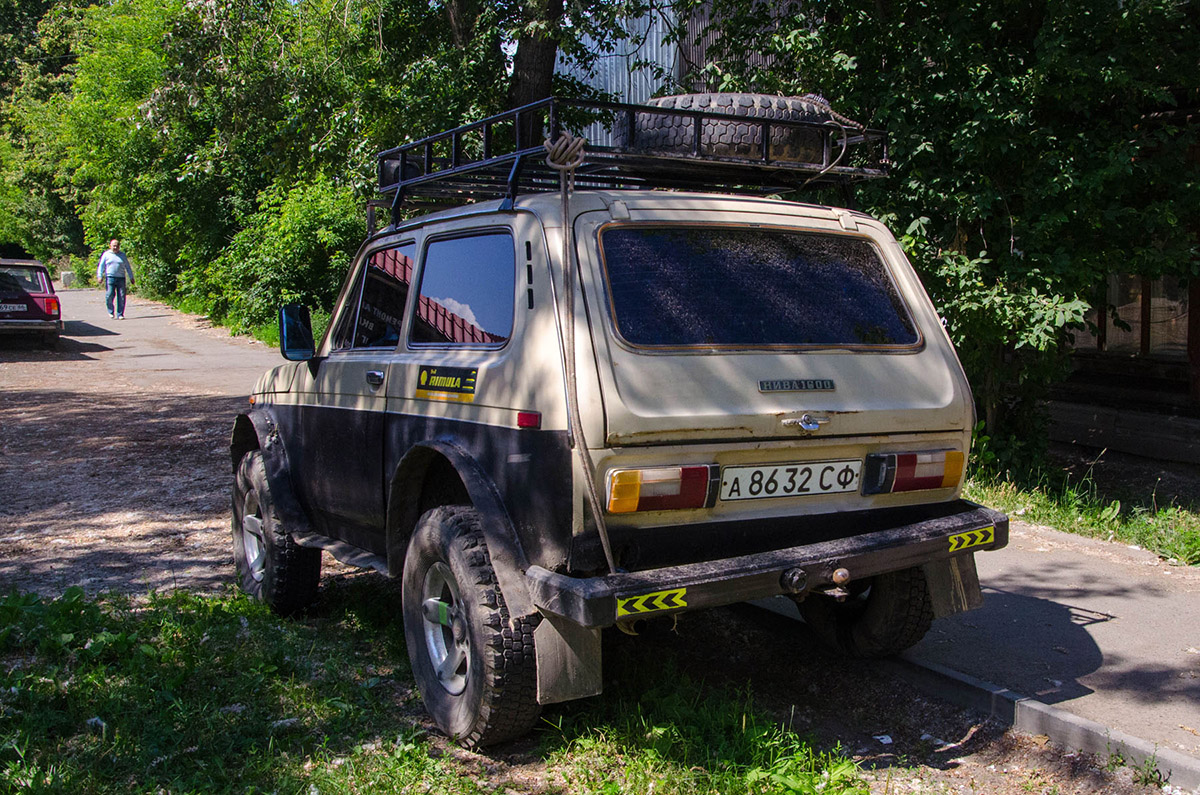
[501,156]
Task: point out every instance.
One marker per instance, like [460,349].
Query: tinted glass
[20,279]
[385,292]
[702,286]
[467,289]
[374,319]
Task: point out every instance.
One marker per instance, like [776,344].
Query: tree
[1027,162]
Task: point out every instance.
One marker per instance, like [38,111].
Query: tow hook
[838,591]
[794,580]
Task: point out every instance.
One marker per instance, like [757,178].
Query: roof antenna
[564,156]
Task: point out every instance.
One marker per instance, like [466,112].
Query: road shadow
[115,492]
[1038,647]
[81,328]
[1033,636]
[73,345]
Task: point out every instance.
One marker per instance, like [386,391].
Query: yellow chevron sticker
[974,538]
[652,602]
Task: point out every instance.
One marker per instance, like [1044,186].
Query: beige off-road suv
[590,401]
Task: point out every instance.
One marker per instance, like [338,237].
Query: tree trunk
[462,15]
[533,64]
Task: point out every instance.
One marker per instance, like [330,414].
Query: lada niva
[588,401]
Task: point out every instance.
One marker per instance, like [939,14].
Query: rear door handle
[375,377]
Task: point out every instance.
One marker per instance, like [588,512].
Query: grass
[185,693]
[1079,505]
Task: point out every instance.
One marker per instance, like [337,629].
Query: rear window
[25,279]
[683,286]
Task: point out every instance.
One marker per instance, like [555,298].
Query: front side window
[375,318]
[467,291]
[690,286]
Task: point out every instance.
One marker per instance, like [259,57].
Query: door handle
[375,378]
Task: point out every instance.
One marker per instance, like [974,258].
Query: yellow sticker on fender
[652,602]
[974,538]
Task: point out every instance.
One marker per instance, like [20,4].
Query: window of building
[468,287]
[1140,317]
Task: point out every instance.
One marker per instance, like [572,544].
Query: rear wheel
[271,567]
[881,617]
[474,666]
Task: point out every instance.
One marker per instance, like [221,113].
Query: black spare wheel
[474,667]
[675,133]
[881,616]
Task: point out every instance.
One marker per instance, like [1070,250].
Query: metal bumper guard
[605,600]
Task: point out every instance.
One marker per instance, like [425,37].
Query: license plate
[790,480]
[13,307]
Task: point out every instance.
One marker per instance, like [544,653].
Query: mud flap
[953,585]
[568,660]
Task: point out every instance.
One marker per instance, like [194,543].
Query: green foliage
[1079,506]
[1032,150]
[295,249]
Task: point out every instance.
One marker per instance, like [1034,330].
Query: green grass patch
[185,694]
[673,736]
[1079,505]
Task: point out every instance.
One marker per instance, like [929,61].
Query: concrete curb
[1032,716]
[1026,714]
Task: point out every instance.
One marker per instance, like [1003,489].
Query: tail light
[661,488]
[894,472]
[48,304]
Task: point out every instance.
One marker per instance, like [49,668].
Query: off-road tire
[287,575]
[674,133]
[499,697]
[887,616]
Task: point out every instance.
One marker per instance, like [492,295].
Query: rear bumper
[24,326]
[603,601]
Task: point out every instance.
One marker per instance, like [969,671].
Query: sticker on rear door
[455,384]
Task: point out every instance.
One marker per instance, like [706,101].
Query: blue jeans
[116,288]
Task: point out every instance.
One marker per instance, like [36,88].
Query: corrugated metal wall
[627,73]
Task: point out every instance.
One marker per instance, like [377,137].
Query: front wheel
[271,567]
[882,616]
[474,666]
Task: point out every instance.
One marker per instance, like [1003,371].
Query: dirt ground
[120,483]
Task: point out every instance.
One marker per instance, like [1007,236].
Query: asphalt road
[152,347]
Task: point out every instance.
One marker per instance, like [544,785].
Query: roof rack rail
[502,155]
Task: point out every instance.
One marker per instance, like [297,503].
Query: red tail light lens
[894,472]
[660,488]
[51,305]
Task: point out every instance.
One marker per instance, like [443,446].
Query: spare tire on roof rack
[674,133]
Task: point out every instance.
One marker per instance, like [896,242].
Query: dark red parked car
[28,304]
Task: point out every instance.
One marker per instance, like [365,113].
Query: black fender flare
[504,547]
[258,430]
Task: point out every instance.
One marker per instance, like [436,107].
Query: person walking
[112,269]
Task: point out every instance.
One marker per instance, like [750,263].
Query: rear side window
[468,286]
[683,286]
[375,318]
[24,279]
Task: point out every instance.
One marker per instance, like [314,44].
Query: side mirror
[295,333]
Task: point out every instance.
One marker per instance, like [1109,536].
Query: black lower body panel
[604,600]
